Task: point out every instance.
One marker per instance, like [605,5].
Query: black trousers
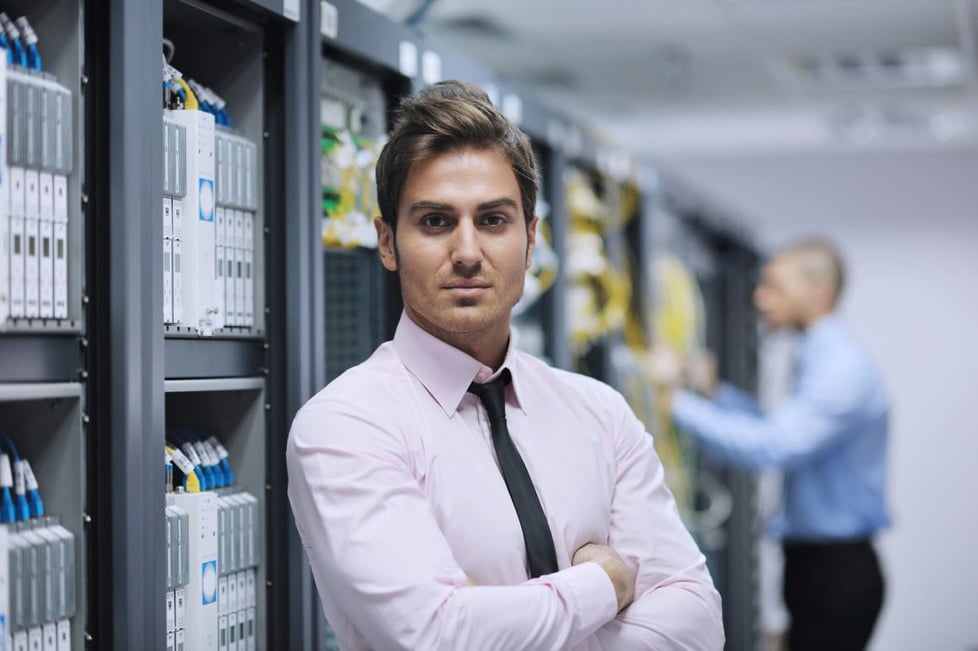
[834,592]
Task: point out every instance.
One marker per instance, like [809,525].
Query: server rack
[215,385]
[354,121]
[545,322]
[148,376]
[726,266]
[44,372]
[601,355]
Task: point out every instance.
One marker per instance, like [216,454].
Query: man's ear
[826,296]
[385,244]
[531,241]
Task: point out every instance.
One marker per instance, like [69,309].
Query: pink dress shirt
[413,539]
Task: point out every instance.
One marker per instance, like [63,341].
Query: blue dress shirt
[829,437]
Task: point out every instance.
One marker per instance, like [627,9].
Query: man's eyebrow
[499,203]
[444,207]
[429,205]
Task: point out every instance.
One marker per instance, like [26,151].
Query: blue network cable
[214,469]
[34,502]
[220,472]
[212,103]
[13,35]
[221,477]
[34,55]
[220,481]
[30,38]
[178,436]
[222,454]
[22,508]
[207,451]
[213,481]
[27,494]
[6,46]
[8,513]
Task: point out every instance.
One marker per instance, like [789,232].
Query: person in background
[452,492]
[829,437]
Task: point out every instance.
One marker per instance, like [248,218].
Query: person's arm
[702,377]
[374,544]
[676,606]
[730,397]
[807,423]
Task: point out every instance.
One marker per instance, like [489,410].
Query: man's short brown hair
[449,116]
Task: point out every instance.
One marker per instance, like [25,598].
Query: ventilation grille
[354,308]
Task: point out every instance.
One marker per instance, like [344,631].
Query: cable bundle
[200,464]
[20,498]
[189,94]
[210,102]
[177,94]
[17,37]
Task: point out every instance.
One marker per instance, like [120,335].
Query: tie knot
[493,394]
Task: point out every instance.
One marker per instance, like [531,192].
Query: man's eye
[434,221]
[495,220]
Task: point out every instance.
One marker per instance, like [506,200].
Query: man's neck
[492,356]
[814,319]
[487,347]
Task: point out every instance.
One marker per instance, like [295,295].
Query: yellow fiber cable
[677,321]
[678,313]
[193,481]
[548,274]
[191,102]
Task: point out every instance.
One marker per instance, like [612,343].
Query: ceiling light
[917,67]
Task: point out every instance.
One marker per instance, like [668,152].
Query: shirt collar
[445,371]
[819,331]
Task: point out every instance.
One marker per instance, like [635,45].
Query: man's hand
[621,573]
[701,372]
[665,368]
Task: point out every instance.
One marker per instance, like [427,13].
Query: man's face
[782,293]
[462,247]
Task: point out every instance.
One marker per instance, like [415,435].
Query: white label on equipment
[408,59]
[513,108]
[430,67]
[290,9]
[329,20]
[492,90]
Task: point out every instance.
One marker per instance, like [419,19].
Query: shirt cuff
[683,404]
[726,394]
[593,593]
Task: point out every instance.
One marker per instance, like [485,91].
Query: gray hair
[820,261]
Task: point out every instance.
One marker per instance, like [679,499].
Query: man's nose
[466,247]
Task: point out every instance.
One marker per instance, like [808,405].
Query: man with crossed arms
[455,493]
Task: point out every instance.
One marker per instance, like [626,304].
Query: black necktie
[536,532]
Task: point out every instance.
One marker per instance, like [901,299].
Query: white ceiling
[784,195]
[721,95]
